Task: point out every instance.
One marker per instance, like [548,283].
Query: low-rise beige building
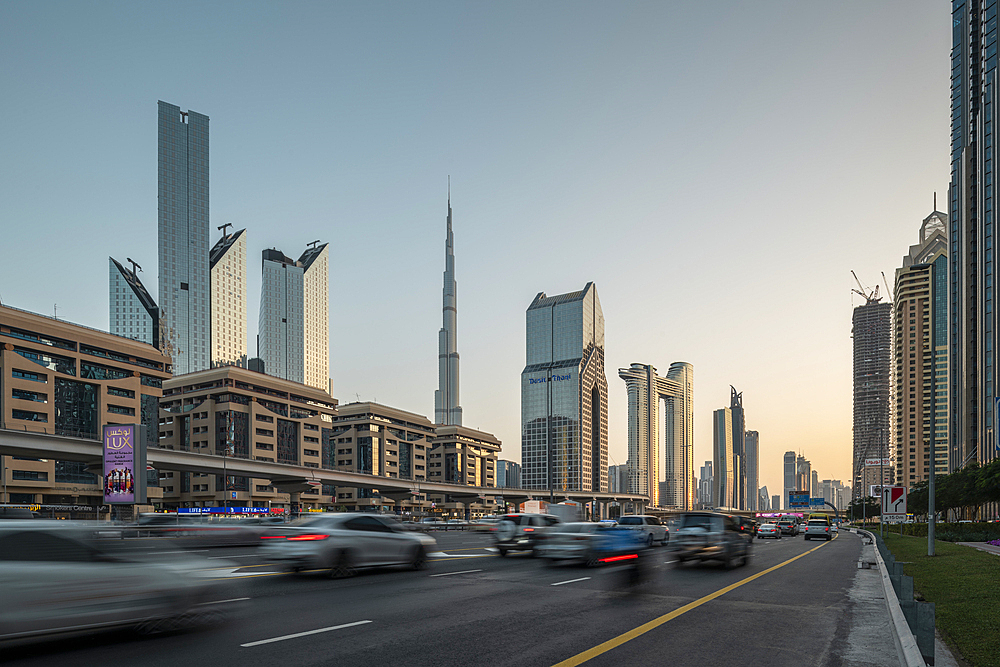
[239,413]
[66,379]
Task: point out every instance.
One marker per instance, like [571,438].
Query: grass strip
[964,584]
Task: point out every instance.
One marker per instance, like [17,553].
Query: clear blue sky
[717,169]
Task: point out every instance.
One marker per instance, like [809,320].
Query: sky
[716,169]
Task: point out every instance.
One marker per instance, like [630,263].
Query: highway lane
[471,607]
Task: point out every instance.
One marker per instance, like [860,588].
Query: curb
[906,643]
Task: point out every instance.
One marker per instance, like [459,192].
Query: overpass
[285,477]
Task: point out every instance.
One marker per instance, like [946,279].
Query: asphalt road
[789,606]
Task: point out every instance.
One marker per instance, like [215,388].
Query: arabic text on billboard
[878,463]
[119,463]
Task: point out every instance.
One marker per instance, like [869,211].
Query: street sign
[894,504]
[798,499]
[816,503]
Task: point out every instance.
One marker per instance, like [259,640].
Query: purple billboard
[120,441]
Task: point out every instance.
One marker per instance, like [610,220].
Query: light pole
[930,501]
[881,480]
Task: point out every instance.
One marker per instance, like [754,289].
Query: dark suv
[789,527]
[521,532]
[710,536]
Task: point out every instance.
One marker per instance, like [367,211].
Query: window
[29,396]
[124,393]
[121,410]
[28,375]
[26,415]
[30,475]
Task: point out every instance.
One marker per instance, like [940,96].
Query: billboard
[124,478]
[878,463]
[798,499]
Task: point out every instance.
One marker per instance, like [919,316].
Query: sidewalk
[869,640]
[982,546]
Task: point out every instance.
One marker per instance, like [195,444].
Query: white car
[655,531]
[344,542]
[56,578]
[818,528]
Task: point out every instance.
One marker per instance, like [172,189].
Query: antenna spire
[935,201]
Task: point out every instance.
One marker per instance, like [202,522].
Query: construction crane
[888,291]
[870,296]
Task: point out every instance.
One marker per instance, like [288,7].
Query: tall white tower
[228,266]
[446,407]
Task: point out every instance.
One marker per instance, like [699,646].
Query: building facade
[740,489]
[508,474]
[751,449]
[66,379]
[646,392]
[972,221]
[872,334]
[618,476]
[921,354]
[228,268]
[183,222]
[788,477]
[294,323]
[238,413]
[132,313]
[705,485]
[447,409]
[724,463]
[564,394]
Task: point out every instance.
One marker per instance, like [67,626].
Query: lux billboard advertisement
[124,478]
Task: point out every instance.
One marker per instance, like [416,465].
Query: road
[791,605]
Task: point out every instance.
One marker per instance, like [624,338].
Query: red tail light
[828,529]
[272,537]
[308,536]
[612,559]
[529,530]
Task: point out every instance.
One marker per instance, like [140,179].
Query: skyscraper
[564,394]
[446,407]
[751,444]
[872,388]
[972,236]
[132,311]
[724,462]
[705,484]
[182,235]
[740,491]
[788,478]
[646,390]
[921,359]
[228,267]
[294,325]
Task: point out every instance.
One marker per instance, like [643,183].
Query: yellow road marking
[600,649]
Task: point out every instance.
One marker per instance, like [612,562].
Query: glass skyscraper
[294,324]
[564,394]
[972,217]
[133,313]
[185,308]
[228,265]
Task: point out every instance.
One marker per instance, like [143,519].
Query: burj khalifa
[446,407]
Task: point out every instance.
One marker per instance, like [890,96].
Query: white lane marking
[441,554]
[448,574]
[669,561]
[571,581]
[234,556]
[303,634]
[204,604]
[249,574]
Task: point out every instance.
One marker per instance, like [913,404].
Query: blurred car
[577,541]
[650,526]
[485,524]
[456,524]
[522,532]
[768,530]
[432,523]
[608,522]
[746,525]
[56,578]
[789,527]
[818,528]
[345,542]
[710,536]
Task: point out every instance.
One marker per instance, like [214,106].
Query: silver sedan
[344,542]
[572,542]
[769,530]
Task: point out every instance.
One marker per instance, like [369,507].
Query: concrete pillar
[295,504]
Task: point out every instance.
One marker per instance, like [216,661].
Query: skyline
[701,140]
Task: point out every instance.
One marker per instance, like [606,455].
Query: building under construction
[872,334]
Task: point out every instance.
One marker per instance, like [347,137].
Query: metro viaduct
[292,479]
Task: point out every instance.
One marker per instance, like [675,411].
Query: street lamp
[930,499]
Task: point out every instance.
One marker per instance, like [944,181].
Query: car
[649,525]
[522,532]
[57,577]
[789,527]
[747,525]
[818,528]
[705,536]
[577,541]
[768,530]
[484,524]
[342,543]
